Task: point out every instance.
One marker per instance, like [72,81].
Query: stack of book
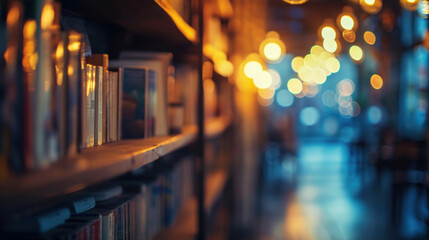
[135,206]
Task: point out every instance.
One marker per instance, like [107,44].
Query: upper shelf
[155,18]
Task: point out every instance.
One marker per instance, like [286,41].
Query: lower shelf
[185,225]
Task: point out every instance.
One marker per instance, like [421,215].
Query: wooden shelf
[89,167]
[185,224]
[216,126]
[155,18]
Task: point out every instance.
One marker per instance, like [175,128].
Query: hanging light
[295,2]
[272,48]
[410,5]
[347,20]
[371,6]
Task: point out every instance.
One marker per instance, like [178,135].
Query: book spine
[98,130]
[115,107]
[112,107]
[119,115]
[109,77]
[91,105]
[105,78]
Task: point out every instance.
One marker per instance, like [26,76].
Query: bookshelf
[163,29]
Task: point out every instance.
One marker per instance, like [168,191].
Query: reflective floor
[327,192]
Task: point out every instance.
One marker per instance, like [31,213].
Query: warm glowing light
[73,46]
[319,76]
[376,81]
[305,74]
[410,5]
[349,36]
[295,2]
[347,22]
[369,37]
[29,29]
[252,68]
[316,50]
[311,61]
[371,6]
[224,68]
[13,16]
[262,80]
[328,33]
[272,51]
[297,63]
[310,90]
[333,65]
[267,93]
[60,51]
[356,53]
[330,45]
[34,59]
[47,18]
[294,86]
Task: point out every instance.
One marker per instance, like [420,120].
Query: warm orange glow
[333,64]
[29,29]
[376,81]
[262,80]
[13,16]
[189,32]
[369,37]
[349,36]
[295,2]
[410,5]
[267,93]
[294,86]
[305,74]
[311,61]
[60,51]
[47,18]
[224,68]
[316,50]
[356,53]
[371,6]
[297,63]
[33,61]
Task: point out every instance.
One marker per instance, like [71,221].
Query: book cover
[108,103]
[133,101]
[98,127]
[159,62]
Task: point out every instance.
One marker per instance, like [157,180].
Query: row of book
[58,98]
[133,207]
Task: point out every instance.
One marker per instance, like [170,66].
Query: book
[161,69]
[133,101]
[98,126]
[90,105]
[103,61]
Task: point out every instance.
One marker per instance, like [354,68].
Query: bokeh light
[410,5]
[328,33]
[275,76]
[330,45]
[423,8]
[376,81]
[328,98]
[262,80]
[294,86]
[309,116]
[295,2]
[374,115]
[349,36]
[252,68]
[369,37]
[345,87]
[330,126]
[267,93]
[297,63]
[347,22]
[371,6]
[272,51]
[284,98]
[356,53]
